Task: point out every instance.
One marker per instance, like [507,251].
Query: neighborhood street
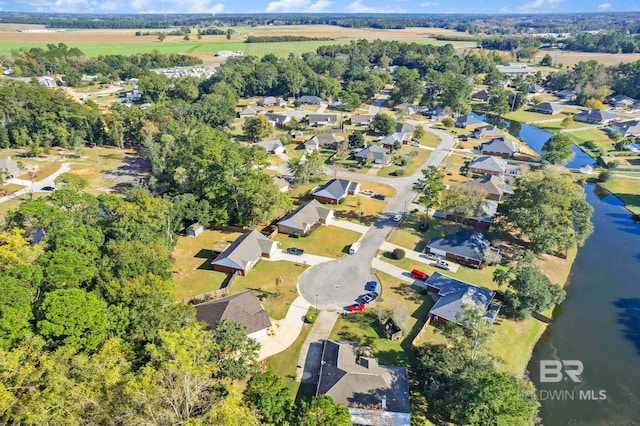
[35,186]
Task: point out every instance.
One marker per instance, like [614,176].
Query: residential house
[361,119]
[322,119]
[324,140]
[48,82]
[268,101]
[626,128]
[278,120]
[390,141]
[488,165]
[547,108]
[407,131]
[452,297]
[194,229]
[495,186]
[500,147]
[335,190]
[281,183]
[249,111]
[310,100]
[468,121]
[242,308]
[487,131]
[482,221]
[621,101]
[375,394]
[8,169]
[467,247]
[596,116]
[567,95]
[437,113]
[481,96]
[375,154]
[305,219]
[534,88]
[272,147]
[406,108]
[515,69]
[244,253]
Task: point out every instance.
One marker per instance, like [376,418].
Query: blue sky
[320,6]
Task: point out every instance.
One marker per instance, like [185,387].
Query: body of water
[598,326]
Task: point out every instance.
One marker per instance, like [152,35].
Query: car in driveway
[373,295]
[431,256]
[371,286]
[354,248]
[379,197]
[419,275]
[294,250]
[397,218]
[442,264]
[367,192]
[366,299]
[414,143]
[47,188]
[356,307]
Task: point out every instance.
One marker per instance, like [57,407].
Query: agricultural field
[569,58]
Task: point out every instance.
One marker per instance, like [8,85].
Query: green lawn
[263,281]
[284,363]
[628,190]
[598,136]
[555,126]
[329,241]
[526,116]
[283,49]
[93,49]
[429,139]
[413,162]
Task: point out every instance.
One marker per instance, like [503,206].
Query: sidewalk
[392,270]
[286,330]
[311,352]
[305,259]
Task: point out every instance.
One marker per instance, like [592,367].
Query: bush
[311,316]
[604,176]
[399,253]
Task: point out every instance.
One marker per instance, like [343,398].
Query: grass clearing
[262,280]
[10,188]
[328,241]
[282,364]
[628,190]
[429,139]
[415,158]
[527,116]
[192,270]
[44,170]
[408,234]
[360,209]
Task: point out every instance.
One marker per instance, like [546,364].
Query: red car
[418,274]
[356,307]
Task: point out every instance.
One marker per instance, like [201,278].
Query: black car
[47,188]
[373,295]
[295,250]
[379,197]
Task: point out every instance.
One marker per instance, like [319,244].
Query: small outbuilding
[194,229]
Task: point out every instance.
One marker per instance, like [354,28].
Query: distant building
[272,146]
[278,120]
[229,53]
[481,96]
[495,186]
[281,183]
[310,100]
[626,128]
[390,141]
[596,116]
[361,119]
[466,247]
[323,140]
[406,108]
[322,119]
[468,121]
[268,101]
[567,95]
[547,108]
[515,69]
[8,169]
[47,81]
[487,132]
[249,111]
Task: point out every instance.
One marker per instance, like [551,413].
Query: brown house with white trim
[244,253]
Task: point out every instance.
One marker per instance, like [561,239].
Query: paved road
[36,186]
[337,284]
[374,108]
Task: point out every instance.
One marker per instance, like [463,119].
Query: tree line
[283,38]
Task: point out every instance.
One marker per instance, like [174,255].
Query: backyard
[627,189]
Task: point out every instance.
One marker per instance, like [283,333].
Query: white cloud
[73,6]
[538,6]
[358,7]
[289,6]
[429,4]
[604,6]
[160,6]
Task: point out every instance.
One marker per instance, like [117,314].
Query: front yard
[328,241]
[414,157]
[408,235]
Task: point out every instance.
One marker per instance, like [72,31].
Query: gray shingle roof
[362,383]
[325,139]
[627,128]
[306,216]
[380,155]
[547,108]
[247,248]
[243,308]
[489,163]
[323,118]
[308,99]
[466,243]
[596,115]
[488,132]
[467,120]
[492,184]
[335,188]
[9,165]
[499,145]
[391,139]
[361,118]
[271,145]
[455,295]
[278,118]
[250,110]
[404,128]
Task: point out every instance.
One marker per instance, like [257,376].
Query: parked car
[397,218]
[431,256]
[371,286]
[418,274]
[366,299]
[442,264]
[294,250]
[373,295]
[414,143]
[47,188]
[379,197]
[356,307]
[367,192]
[354,248]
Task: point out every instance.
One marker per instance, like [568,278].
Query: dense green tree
[356,139]
[73,317]
[498,100]
[528,289]
[72,181]
[218,108]
[154,86]
[321,411]
[270,397]
[309,170]
[407,85]
[350,101]
[550,210]
[16,314]
[557,149]
[383,124]
[463,201]
[258,127]
[429,186]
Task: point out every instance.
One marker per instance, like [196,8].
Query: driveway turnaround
[286,330]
